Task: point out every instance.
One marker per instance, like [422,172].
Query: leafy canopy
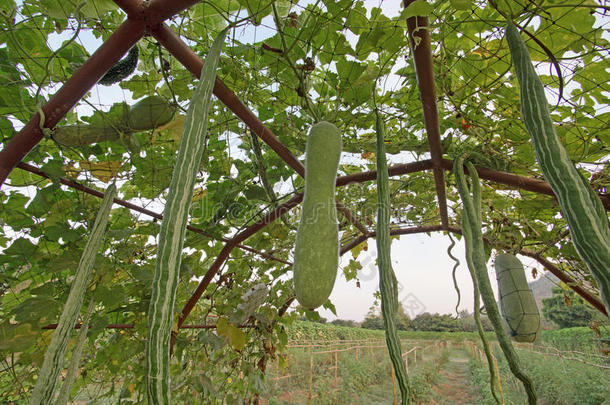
[324,59]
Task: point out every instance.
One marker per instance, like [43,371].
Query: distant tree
[487,326]
[467,321]
[372,322]
[345,322]
[436,322]
[468,324]
[567,309]
[403,322]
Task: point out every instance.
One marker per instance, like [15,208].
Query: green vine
[475,255]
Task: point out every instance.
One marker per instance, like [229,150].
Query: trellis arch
[147,18]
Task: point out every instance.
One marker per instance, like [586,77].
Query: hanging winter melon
[316,252]
[517,301]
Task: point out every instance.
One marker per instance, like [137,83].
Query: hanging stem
[455,267]
[64,393]
[475,248]
[300,75]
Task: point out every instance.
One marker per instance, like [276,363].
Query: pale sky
[423,269]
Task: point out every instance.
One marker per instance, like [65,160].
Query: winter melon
[517,302]
[316,255]
[149,113]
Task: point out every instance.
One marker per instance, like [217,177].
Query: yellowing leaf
[236,337]
[199,193]
[173,128]
[357,249]
[70,170]
[462,4]
[481,52]
[104,171]
[221,325]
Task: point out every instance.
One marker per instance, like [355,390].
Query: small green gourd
[81,135]
[149,113]
[316,253]
[122,69]
[517,302]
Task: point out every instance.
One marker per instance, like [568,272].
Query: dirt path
[453,387]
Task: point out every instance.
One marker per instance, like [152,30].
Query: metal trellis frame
[147,18]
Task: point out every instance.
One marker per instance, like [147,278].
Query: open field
[443,369]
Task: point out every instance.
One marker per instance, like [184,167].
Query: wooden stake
[393,384]
[310,377]
[499,381]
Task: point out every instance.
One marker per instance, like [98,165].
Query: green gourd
[173,229]
[54,357]
[316,253]
[149,113]
[517,302]
[388,284]
[122,68]
[581,207]
[81,135]
[75,359]
[475,255]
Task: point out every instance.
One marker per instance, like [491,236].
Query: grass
[557,380]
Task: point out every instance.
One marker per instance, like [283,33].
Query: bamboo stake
[499,381]
[393,385]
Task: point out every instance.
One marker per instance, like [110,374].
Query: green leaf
[359,248]
[54,169]
[257,9]
[38,310]
[68,260]
[419,8]
[17,338]
[255,193]
[351,270]
[21,247]
[462,4]
[43,201]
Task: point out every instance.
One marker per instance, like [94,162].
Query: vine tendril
[455,267]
